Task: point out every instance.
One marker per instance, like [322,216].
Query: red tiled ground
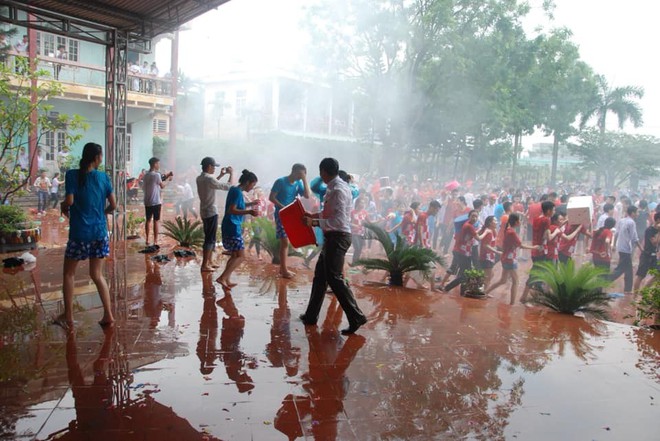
[186,362]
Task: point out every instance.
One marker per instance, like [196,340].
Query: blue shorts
[83,250]
[510,266]
[279,229]
[233,243]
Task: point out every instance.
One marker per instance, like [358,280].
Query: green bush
[10,217]
[186,233]
[648,305]
[569,290]
[400,258]
[264,233]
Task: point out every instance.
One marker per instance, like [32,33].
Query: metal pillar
[116,65]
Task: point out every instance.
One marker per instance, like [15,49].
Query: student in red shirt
[601,245]
[463,249]
[509,251]
[487,250]
[568,241]
[540,237]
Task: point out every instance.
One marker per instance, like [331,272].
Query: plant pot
[20,240]
[473,289]
[396,278]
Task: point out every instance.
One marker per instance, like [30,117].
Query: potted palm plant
[648,304]
[568,290]
[473,284]
[263,233]
[400,258]
[187,234]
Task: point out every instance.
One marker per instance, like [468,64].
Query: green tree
[566,85]
[621,101]
[23,93]
[617,156]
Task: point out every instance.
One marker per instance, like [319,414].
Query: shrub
[648,305]
[11,217]
[185,232]
[569,290]
[264,233]
[400,258]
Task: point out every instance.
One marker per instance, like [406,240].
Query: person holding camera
[153,183]
[207,184]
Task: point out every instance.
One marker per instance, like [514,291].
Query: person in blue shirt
[232,230]
[284,191]
[87,191]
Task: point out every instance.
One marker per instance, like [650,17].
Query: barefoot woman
[87,190]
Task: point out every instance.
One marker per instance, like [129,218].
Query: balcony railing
[81,74]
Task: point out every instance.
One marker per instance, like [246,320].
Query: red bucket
[298,232]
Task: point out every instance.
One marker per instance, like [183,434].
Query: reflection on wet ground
[187,362]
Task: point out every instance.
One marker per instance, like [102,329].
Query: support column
[33,136]
[174,68]
[275,104]
[116,67]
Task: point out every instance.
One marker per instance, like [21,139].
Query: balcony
[86,82]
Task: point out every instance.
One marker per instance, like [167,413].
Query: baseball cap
[209,161]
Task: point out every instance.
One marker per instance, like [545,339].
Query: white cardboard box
[580,210]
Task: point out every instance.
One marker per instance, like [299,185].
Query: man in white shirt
[152,185]
[207,184]
[335,220]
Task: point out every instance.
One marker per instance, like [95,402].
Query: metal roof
[146,18]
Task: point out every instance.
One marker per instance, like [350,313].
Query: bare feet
[107,322]
[288,275]
[207,269]
[215,265]
[223,283]
[63,322]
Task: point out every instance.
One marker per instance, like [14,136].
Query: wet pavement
[187,362]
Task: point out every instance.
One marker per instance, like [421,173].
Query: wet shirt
[465,239]
[539,226]
[567,247]
[553,244]
[626,234]
[286,192]
[151,188]
[42,183]
[87,214]
[358,217]
[408,226]
[599,246]
[510,246]
[336,214]
[231,223]
[484,252]
[650,235]
[423,233]
[207,184]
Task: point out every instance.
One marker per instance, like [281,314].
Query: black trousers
[464,264]
[624,267]
[329,271]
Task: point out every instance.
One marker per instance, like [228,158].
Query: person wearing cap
[207,184]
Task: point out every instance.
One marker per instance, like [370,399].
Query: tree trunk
[516,147]
[396,278]
[555,156]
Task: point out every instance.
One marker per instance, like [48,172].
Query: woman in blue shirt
[232,230]
[87,191]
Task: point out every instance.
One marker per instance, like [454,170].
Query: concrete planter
[25,237]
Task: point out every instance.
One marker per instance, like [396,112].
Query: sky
[618,39]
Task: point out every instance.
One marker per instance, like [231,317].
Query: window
[54,143]
[219,104]
[241,101]
[129,147]
[160,125]
[47,45]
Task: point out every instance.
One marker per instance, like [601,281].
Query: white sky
[618,39]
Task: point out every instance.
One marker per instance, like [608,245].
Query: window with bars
[47,45]
[241,101]
[160,125]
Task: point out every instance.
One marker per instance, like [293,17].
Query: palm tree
[622,101]
[567,290]
[263,233]
[401,257]
[186,233]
